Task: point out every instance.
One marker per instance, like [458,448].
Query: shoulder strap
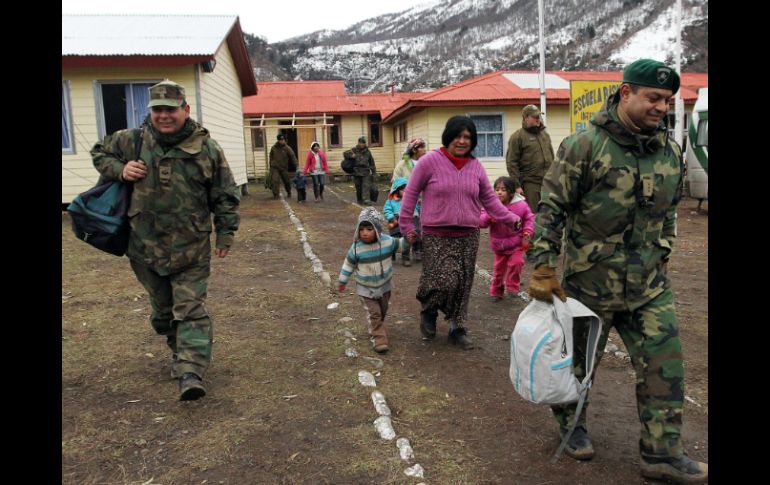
[592,343]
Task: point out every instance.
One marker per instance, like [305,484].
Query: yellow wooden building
[110,61]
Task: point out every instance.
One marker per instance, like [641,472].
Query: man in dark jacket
[529,155]
[365,173]
[281,156]
[180,177]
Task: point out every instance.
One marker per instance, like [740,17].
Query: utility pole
[678,104]
[542,60]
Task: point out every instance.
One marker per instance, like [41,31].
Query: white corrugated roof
[143,35]
[532,80]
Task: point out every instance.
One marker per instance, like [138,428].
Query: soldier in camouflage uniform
[615,187]
[529,155]
[365,171]
[281,156]
[180,176]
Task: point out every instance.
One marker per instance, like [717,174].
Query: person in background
[391,211]
[282,157]
[300,183]
[455,187]
[318,167]
[365,171]
[415,149]
[615,188]
[529,155]
[179,179]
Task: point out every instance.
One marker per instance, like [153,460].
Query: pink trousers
[507,273]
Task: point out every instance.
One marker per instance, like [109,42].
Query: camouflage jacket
[529,155]
[282,156]
[170,211]
[364,161]
[617,239]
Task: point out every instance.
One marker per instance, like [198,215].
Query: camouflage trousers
[363,189]
[277,176]
[651,335]
[178,313]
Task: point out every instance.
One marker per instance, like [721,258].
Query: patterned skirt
[448,268]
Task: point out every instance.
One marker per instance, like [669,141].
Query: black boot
[579,445]
[191,387]
[458,336]
[428,324]
[678,469]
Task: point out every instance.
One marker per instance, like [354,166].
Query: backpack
[100,215]
[348,165]
[541,355]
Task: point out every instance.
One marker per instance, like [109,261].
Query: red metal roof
[303,98]
[496,89]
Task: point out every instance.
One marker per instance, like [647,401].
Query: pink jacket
[310,162]
[450,197]
[502,239]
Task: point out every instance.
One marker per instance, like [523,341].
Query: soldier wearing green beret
[180,177]
[529,155]
[615,187]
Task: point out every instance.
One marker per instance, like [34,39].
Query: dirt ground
[284,403]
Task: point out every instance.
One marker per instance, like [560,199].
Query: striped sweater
[371,263]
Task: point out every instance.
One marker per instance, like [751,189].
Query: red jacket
[310,162]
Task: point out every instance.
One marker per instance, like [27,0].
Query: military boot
[428,324]
[677,469]
[579,445]
[190,387]
[458,336]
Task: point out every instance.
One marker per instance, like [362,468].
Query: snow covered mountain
[440,42]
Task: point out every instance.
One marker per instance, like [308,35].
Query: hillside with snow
[445,41]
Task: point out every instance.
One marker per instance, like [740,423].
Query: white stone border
[383,423]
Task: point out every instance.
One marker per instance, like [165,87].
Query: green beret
[655,74]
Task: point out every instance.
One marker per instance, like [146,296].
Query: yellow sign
[586,98]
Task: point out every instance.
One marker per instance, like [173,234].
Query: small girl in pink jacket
[509,245]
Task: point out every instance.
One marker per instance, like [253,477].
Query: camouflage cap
[530,110]
[655,74]
[362,139]
[167,93]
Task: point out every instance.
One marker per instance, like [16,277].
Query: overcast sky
[273,19]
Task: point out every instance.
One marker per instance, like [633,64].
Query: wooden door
[305,136]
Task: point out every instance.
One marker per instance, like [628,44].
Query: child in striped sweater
[370,259]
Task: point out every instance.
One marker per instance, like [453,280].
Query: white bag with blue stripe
[541,354]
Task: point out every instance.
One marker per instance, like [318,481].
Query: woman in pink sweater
[455,187]
[316,164]
[509,246]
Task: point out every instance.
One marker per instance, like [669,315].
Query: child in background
[509,246]
[391,210]
[300,182]
[370,258]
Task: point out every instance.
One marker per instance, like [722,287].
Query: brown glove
[543,284]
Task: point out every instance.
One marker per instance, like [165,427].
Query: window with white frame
[489,128]
[123,104]
[67,140]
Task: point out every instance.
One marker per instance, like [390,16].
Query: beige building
[494,101]
[110,61]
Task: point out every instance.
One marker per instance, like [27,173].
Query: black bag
[100,215]
[348,165]
[374,192]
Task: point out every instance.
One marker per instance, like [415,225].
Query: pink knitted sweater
[451,197]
